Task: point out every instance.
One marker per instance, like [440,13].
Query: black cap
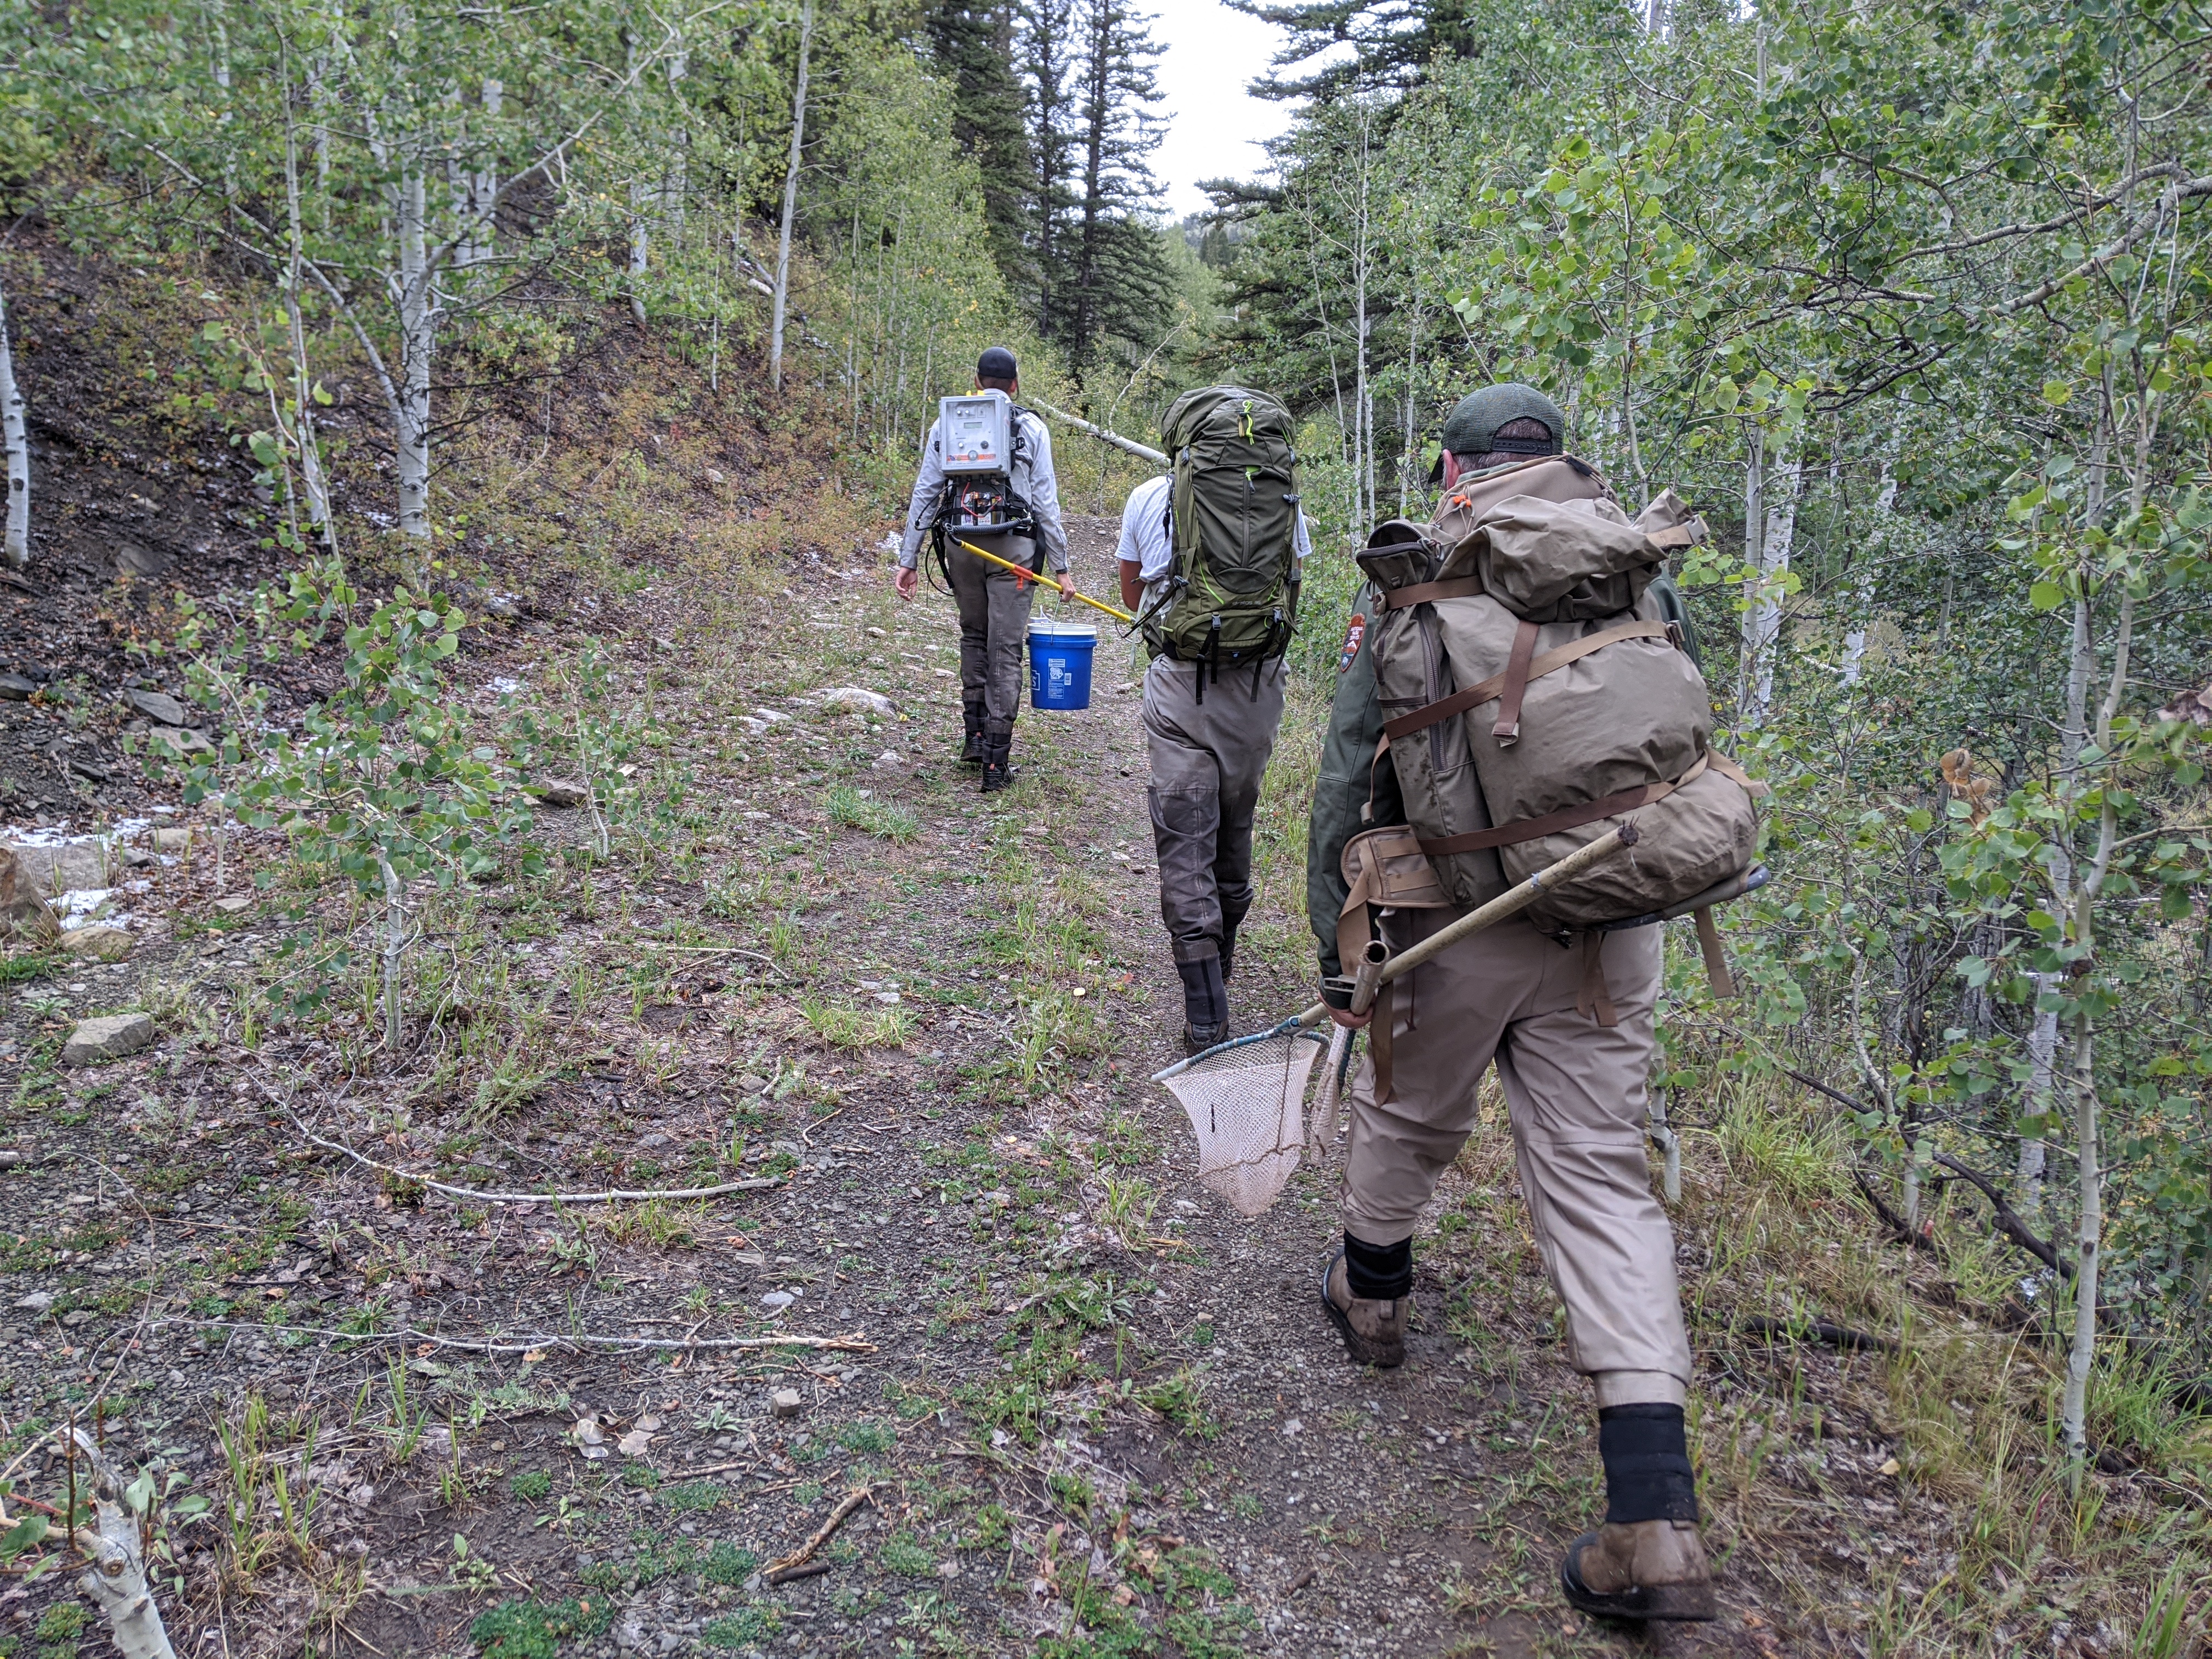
[996,364]
[1472,427]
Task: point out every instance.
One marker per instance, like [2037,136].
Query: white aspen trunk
[2041,1102]
[1754,514]
[395,943]
[676,183]
[1764,634]
[303,400]
[17,547]
[1855,642]
[790,200]
[2075,1411]
[418,322]
[221,34]
[1407,454]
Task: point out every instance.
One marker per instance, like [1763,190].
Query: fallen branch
[1817,1330]
[116,1581]
[2005,1219]
[855,1343]
[792,1564]
[1897,1225]
[751,1184]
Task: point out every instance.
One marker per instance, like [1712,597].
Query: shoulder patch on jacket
[1353,636]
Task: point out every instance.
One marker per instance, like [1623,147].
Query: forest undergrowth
[905,1242]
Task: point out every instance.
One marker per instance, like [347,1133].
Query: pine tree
[1393,42]
[1049,43]
[974,46]
[1103,275]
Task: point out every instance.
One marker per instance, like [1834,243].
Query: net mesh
[1245,1105]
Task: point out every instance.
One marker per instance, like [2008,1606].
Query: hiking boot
[1197,1039]
[1646,1570]
[998,766]
[1374,1333]
[1204,1004]
[971,716]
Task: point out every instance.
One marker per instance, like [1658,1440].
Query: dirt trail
[1097,1413]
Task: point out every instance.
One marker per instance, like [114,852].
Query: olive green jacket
[1348,762]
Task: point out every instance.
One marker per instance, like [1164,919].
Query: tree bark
[790,198]
[16,547]
[418,324]
[1763,635]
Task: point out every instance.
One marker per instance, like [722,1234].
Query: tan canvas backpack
[1534,696]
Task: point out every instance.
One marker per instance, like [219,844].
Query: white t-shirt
[1147,534]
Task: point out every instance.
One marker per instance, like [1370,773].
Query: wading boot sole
[1362,1351]
[1196,1039]
[1686,1603]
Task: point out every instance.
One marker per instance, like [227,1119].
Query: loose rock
[557,791]
[156,706]
[854,700]
[182,741]
[173,838]
[786,1402]
[104,942]
[14,688]
[26,918]
[109,1037]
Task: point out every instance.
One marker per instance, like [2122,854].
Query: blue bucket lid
[1065,630]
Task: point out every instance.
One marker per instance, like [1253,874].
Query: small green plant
[843,1026]
[902,1554]
[728,1564]
[532,1630]
[894,824]
[747,1627]
[531,1485]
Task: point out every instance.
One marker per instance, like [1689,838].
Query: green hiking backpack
[1231,593]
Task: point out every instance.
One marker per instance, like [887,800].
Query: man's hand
[1067,586]
[907,579]
[1350,1021]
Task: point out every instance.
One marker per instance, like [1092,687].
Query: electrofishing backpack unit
[1533,691]
[979,441]
[1230,595]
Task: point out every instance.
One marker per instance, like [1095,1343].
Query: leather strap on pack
[1483,690]
[1508,729]
[1383,867]
[1458,587]
[1384,1016]
[1736,775]
[1569,817]
[1594,999]
[1709,944]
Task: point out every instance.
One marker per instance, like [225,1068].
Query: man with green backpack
[1210,558]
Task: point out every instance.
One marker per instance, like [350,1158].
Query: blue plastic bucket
[1060,663]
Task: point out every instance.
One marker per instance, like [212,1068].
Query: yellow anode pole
[1024,572]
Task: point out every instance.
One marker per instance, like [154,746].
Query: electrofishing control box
[977,432]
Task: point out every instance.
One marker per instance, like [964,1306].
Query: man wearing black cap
[1574,1084]
[994,603]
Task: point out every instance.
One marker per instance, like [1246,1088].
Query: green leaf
[30,1530]
[2056,392]
[2046,596]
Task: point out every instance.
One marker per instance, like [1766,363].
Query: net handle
[1511,903]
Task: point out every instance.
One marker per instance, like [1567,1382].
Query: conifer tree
[1393,42]
[974,46]
[1122,286]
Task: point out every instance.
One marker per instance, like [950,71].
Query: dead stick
[805,1552]
[853,1344]
[751,1184]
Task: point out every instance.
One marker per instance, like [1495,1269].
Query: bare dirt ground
[1056,1397]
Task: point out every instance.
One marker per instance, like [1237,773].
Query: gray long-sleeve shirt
[1034,481]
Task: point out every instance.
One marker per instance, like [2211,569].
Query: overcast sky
[1212,52]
